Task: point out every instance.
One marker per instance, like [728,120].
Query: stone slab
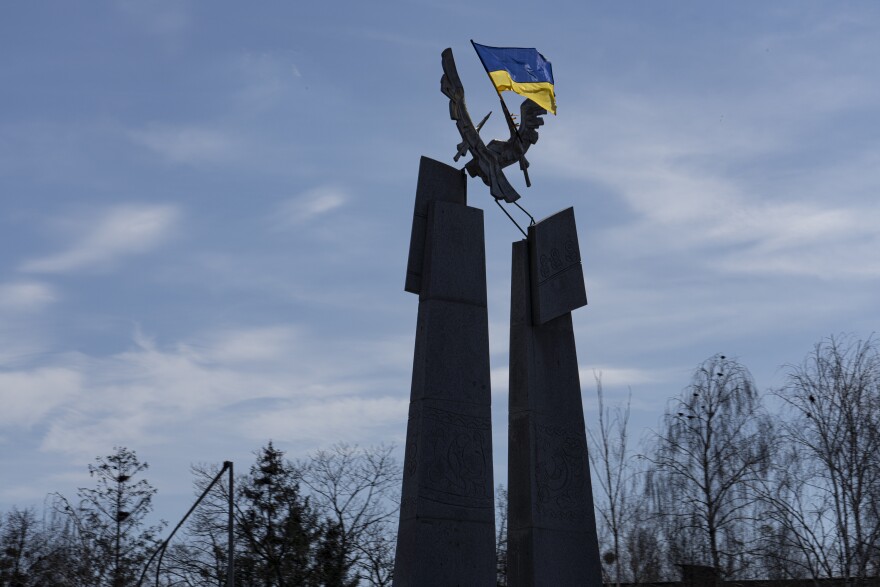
[557,277]
[454,268]
[426,560]
[552,537]
[437,181]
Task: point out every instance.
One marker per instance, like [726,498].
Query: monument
[446,532]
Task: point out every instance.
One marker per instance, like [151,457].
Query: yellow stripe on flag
[541,93]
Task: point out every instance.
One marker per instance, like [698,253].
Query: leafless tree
[610,461]
[501,511]
[825,499]
[714,446]
[358,489]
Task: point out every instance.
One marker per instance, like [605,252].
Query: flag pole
[510,123]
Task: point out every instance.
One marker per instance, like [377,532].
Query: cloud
[348,419]
[118,232]
[699,191]
[25,296]
[265,79]
[258,380]
[311,204]
[186,144]
[252,345]
[29,396]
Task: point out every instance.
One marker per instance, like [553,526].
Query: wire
[511,218]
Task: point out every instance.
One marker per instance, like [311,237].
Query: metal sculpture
[489,160]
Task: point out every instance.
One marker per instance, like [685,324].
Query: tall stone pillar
[551,523]
[446,536]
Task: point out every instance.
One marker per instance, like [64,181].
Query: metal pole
[161,549]
[230,557]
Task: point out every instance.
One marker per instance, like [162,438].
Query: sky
[205,211]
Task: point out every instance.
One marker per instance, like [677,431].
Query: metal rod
[511,218]
[531,218]
[164,545]
[230,556]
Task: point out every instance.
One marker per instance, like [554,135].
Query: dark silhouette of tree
[281,537]
[356,490]
[277,527]
[610,459]
[107,539]
[501,510]
[822,502]
[714,446]
[24,549]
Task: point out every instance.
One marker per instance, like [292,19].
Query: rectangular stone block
[448,466]
[557,277]
[451,358]
[437,181]
[455,254]
[440,553]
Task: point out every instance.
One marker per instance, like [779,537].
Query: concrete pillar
[552,537]
[446,535]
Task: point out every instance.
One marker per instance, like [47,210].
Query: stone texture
[557,282]
[552,537]
[446,535]
[437,181]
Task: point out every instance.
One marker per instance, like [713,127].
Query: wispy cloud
[350,418]
[265,79]
[25,296]
[29,396]
[186,144]
[667,171]
[118,232]
[311,204]
[262,381]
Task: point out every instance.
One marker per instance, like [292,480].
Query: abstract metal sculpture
[489,160]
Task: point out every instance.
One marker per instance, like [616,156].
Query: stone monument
[446,534]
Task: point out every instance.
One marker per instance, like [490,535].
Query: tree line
[328,520]
[725,481]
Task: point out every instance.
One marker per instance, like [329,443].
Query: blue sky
[205,210]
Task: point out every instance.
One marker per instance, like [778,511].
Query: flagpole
[510,124]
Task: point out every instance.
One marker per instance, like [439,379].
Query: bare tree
[715,445]
[24,547]
[357,489]
[825,501]
[610,459]
[501,511]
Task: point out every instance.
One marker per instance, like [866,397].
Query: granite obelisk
[551,523]
[446,535]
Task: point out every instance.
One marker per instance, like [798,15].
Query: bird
[812,399]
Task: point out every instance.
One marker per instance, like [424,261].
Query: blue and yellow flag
[521,70]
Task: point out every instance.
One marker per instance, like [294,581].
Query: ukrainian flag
[521,70]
